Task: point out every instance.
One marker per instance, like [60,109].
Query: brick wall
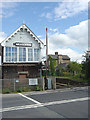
[65,61]
[10,72]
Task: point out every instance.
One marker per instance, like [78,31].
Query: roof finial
[23,21]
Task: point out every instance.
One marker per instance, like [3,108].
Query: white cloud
[2,36]
[42,15]
[46,7]
[73,43]
[46,15]
[74,55]
[39,36]
[75,36]
[54,30]
[65,10]
[7,9]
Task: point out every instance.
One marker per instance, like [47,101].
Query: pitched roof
[65,57]
[25,27]
[54,56]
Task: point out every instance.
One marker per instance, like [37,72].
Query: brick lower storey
[20,71]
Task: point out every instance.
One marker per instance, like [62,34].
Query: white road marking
[58,90]
[29,98]
[43,104]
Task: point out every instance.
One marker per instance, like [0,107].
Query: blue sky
[66,23]
[33,15]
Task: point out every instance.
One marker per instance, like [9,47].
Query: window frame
[23,56]
[9,54]
[30,54]
[36,54]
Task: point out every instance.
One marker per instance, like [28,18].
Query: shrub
[6,90]
[67,74]
[25,89]
[19,90]
[37,88]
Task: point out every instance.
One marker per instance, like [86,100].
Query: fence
[17,85]
[27,84]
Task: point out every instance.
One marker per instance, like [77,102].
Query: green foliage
[53,64]
[6,90]
[37,88]
[74,67]
[68,74]
[88,80]
[86,69]
[74,71]
[25,89]
[19,90]
[60,71]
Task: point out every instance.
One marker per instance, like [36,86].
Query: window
[14,54]
[11,54]
[8,54]
[22,54]
[36,54]
[30,55]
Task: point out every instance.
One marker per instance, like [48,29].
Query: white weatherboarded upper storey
[22,46]
[22,34]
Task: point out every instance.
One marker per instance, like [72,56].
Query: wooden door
[23,76]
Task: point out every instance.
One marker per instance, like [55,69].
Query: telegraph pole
[46,82]
[46,50]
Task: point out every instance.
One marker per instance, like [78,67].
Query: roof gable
[23,28]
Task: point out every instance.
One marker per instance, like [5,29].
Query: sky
[66,21]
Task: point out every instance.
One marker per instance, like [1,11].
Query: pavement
[62,103]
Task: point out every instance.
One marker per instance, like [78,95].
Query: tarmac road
[62,103]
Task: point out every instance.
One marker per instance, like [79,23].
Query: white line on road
[43,104]
[29,98]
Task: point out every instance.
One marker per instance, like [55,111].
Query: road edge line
[35,101]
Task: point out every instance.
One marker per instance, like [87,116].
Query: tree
[59,71]
[53,64]
[74,67]
[86,65]
[86,69]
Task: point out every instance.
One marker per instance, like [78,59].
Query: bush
[25,89]
[67,74]
[37,88]
[6,90]
[19,90]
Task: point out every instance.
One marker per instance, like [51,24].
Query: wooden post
[46,51]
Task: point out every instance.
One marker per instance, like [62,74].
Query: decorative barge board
[21,54]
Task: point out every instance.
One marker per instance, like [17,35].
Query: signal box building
[21,54]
